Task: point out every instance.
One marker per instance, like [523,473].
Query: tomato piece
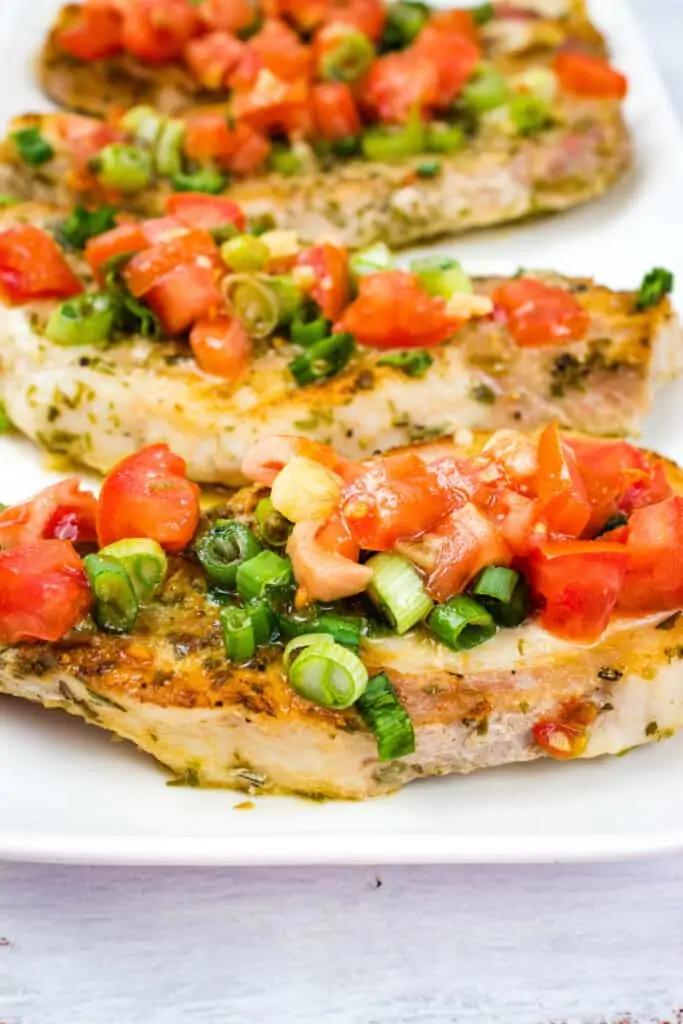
[331,267]
[148,495]
[184,294]
[213,57]
[85,137]
[44,591]
[221,346]
[579,582]
[199,210]
[454,56]
[157,30]
[398,84]
[566,736]
[586,75]
[126,238]
[33,266]
[227,15]
[335,111]
[148,266]
[393,310]
[336,536]
[654,577]
[162,229]
[208,137]
[62,511]
[367,16]
[281,51]
[458,21]
[540,314]
[323,574]
[273,105]
[91,33]
[561,492]
[251,150]
[464,543]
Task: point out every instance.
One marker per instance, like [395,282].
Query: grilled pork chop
[97,404]
[169,689]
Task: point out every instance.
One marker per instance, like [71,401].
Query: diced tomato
[334,111]
[126,238]
[397,496]
[33,266]
[654,577]
[323,574]
[212,58]
[455,20]
[516,516]
[400,83]
[44,591]
[251,150]
[91,33]
[281,51]
[566,736]
[157,30]
[305,14]
[589,76]
[393,310]
[454,56]
[464,543]
[184,294]
[208,137]
[540,314]
[227,15]
[367,16]
[62,511]
[148,495]
[275,105]
[331,267]
[199,210]
[561,492]
[162,229]
[221,346]
[516,454]
[148,266]
[84,138]
[579,582]
[335,535]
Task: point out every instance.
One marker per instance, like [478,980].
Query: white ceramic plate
[68,793]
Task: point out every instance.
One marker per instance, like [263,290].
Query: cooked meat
[169,689]
[97,405]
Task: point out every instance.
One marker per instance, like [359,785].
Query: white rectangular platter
[67,793]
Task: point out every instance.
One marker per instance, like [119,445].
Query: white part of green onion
[323,671]
[398,591]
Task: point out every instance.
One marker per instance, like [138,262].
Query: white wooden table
[567,945]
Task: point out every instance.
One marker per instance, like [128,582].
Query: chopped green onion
[656,284]
[223,548]
[344,629]
[32,147]
[444,138]
[206,180]
[307,331]
[613,523]
[6,200]
[283,160]
[383,713]
[441,276]
[412,362]
[404,22]
[124,168]
[371,260]
[261,573]
[288,296]
[346,147]
[145,562]
[323,359]
[130,315]
[116,606]
[504,594]
[87,319]
[168,149]
[260,223]
[461,623]
[483,13]
[245,628]
[273,528]
[486,90]
[324,672]
[254,303]
[5,421]
[244,253]
[429,169]
[82,225]
[144,123]
[529,114]
[387,144]
[397,589]
[349,60]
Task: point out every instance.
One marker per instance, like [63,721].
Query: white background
[439,945]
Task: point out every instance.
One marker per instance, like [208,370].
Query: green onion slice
[245,253]
[262,573]
[405,20]
[349,60]
[283,160]
[344,629]
[412,362]
[168,149]
[223,548]
[385,144]
[371,260]
[383,713]
[145,562]
[306,330]
[124,168]
[82,225]
[116,606]
[656,284]
[288,296]
[486,90]
[253,302]
[529,114]
[461,623]
[32,147]
[441,276]
[273,528]
[444,138]
[397,589]
[144,123]
[504,594]
[346,147]
[324,672]
[323,359]
[483,13]
[206,180]
[85,320]
[245,628]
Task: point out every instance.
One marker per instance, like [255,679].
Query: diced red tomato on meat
[454,56]
[330,265]
[251,150]
[221,346]
[273,104]
[32,266]
[468,541]
[455,20]
[156,31]
[62,512]
[43,591]
[91,33]
[199,210]
[335,112]
[654,571]
[122,240]
[281,51]
[323,572]
[184,294]
[564,504]
[208,137]
[147,267]
[586,75]
[227,15]
[213,57]
[367,16]
[540,314]
[399,84]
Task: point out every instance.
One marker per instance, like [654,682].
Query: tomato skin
[398,84]
[148,495]
[126,238]
[459,21]
[468,541]
[93,34]
[208,137]
[184,294]
[336,536]
[589,76]
[273,104]
[539,314]
[212,58]
[43,591]
[281,51]
[454,56]
[580,582]
[199,210]
[251,150]
[331,267]
[654,577]
[157,30]
[149,266]
[335,112]
[393,310]
[62,511]
[226,15]
[221,346]
[566,736]
[32,266]
[367,16]
[561,492]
